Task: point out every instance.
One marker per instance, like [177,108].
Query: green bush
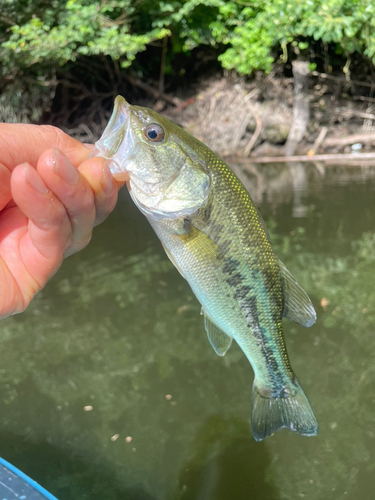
[36,37]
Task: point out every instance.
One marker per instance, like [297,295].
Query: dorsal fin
[219,340]
[297,305]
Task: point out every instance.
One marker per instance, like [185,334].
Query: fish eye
[154,132]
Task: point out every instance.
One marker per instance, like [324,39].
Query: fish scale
[216,238]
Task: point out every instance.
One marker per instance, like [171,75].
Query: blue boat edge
[33,484]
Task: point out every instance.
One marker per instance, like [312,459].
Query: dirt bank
[252,118]
[235,117]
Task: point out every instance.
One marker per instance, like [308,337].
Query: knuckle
[87,206]
[79,244]
[60,138]
[87,239]
[81,208]
[84,199]
[59,214]
[104,209]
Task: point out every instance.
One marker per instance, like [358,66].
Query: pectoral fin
[172,259]
[198,242]
[297,305]
[219,340]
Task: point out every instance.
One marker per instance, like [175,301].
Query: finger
[5,194]
[105,188]
[17,285]
[21,143]
[42,246]
[73,191]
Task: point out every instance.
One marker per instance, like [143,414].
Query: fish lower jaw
[158,212]
[151,189]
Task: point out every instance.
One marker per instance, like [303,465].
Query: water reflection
[300,183]
[110,389]
[223,460]
[282,183]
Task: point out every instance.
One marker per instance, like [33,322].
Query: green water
[119,330]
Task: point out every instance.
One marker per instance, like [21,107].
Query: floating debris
[181,309]
[88,408]
[128,439]
[324,303]
[115,437]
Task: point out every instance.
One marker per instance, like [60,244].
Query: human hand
[50,200]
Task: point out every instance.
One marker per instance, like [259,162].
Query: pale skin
[51,197]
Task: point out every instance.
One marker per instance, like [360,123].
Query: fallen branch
[325,76]
[348,112]
[186,103]
[88,132]
[363,98]
[319,140]
[366,116]
[156,93]
[350,139]
[283,159]
[254,137]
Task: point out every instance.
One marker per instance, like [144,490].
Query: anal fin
[297,304]
[219,340]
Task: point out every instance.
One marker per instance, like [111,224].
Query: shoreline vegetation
[249,79]
[254,117]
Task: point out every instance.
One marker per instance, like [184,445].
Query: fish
[216,238]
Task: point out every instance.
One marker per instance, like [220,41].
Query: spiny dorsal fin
[297,305]
[219,340]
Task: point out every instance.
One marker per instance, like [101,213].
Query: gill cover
[168,176]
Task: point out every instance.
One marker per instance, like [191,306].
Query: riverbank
[252,118]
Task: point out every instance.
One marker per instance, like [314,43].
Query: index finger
[20,143]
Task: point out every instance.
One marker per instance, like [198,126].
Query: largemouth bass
[216,238]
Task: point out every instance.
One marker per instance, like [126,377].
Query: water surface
[110,389]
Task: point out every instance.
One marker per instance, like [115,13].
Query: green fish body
[216,238]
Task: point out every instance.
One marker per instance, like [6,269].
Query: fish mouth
[117,143]
[120,146]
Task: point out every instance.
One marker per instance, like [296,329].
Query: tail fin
[291,411]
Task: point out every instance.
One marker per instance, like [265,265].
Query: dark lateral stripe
[245,295]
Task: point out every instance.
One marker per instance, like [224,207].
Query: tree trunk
[301,106]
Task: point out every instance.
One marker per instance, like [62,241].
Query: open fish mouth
[117,142]
[159,190]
